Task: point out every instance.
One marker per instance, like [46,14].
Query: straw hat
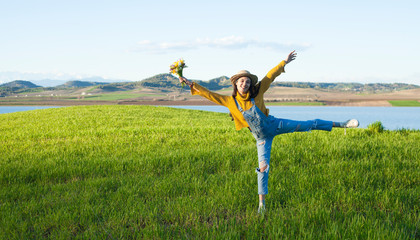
[244,73]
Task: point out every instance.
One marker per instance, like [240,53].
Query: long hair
[253,92]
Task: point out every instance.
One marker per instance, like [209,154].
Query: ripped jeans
[264,129]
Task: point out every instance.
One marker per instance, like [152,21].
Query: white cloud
[230,42]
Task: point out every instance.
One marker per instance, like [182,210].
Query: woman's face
[243,84]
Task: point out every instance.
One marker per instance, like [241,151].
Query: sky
[362,41]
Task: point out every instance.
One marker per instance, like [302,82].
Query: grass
[402,103]
[130,172]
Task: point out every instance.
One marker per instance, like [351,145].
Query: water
[10,109]
[392,118]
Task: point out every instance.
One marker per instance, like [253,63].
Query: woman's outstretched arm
[275,72]
[196,89]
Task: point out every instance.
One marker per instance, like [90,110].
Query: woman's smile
[243,84]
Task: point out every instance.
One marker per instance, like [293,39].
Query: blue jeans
[265,141]
[264,129]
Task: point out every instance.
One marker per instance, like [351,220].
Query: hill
[16,87]
[216,83]
[169,81]
[18,84]
[78,84]
[350,87]
[56,82]
[160,81]
[164,87]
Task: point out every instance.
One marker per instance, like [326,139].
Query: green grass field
[408,103]
[130,172]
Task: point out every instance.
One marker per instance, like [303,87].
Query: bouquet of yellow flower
[177,67]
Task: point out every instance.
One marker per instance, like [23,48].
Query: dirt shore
[81,102]
[363,103]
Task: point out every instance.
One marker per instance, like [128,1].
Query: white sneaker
[261,209]
[352,123]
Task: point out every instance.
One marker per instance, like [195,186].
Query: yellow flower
[177,67]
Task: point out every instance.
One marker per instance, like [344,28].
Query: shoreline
[364,103]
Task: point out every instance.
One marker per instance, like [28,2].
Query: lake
[10,109]
[392,118]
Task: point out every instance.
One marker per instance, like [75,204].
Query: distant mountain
[169,81]
[54,82]
[79,84]
[163,80]
[216,83]
[18,84]
[350,87]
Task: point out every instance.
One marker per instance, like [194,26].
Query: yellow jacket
[243,101]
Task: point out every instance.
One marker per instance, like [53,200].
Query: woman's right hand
[184,80]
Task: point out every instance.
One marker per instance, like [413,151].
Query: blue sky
[337,41]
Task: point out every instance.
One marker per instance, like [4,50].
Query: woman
[247,108]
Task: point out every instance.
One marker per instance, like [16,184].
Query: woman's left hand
[290,57]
